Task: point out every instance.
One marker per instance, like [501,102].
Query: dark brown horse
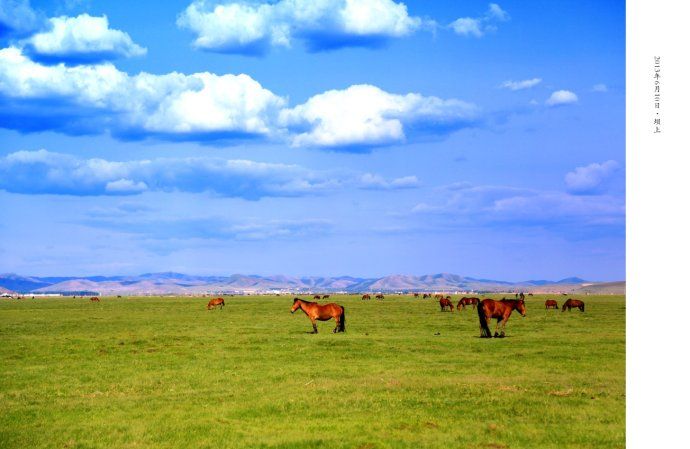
[416,295]
[95,299]
[315,312]
[366,296]
[326,296]
[573,304]
[426,295]
[380,296]
[445,303]
[500,310]
[317,297]
[468,302]
[212,304]
[551,304]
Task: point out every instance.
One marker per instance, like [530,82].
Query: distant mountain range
[178,283]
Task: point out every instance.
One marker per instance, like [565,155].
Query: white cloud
[44,172]
[479,26]
[591,178]
[365,115]
[252,28]
[82,39]
[377,182]
[173,104]
[467,26]
[519,85]
[205,106]
[17,18]
[561,97]
[600,88]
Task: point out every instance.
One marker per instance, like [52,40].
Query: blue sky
[313,138]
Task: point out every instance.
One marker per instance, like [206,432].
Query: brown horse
[95,299]
[326,296]
[468,302]
[500,310]
[416,295]
[366,296]
[426,295]
[315,312]
[317,297]
[212,304]
[445,303]
[573,304]
[380,296]
[551,304]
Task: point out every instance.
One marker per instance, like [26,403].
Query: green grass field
[166,373]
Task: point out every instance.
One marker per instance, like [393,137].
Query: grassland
[166,373]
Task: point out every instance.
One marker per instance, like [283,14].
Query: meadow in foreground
[166,373]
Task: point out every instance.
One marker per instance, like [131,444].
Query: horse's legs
[313,324]
[337,325]
[503,326]
[498,324]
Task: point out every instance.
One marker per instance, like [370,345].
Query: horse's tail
[483,326]
[342,320]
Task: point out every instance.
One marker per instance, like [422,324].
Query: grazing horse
[529,294]
[366,296]
[500,310]
[416,295]
[573,304]
[315,311]
[467,302]
[326,296]
[551,304]
[426,295]
[379,296]
[317,297]
[95,299]
[522,296]
[212,304]
[445,303]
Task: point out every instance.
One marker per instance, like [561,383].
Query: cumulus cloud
[519,85]
[479,26]
[44,172]
[253,28]
[81,39]
[364,115]
[590,179]
[17,18]
[204,106]
[97,98]
[561,97]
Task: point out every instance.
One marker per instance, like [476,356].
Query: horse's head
[295,305]
[521,307]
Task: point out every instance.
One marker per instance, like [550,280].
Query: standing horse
[573,304]
[379,296]
[212,304]
[445,303]
[551,304]
[366,296]
[500,310]
[416,295]
[95,299]
[468,301]
[317,297]
[426,295]
[315,312]
[326,296]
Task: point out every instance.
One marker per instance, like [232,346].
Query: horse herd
[487,309]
